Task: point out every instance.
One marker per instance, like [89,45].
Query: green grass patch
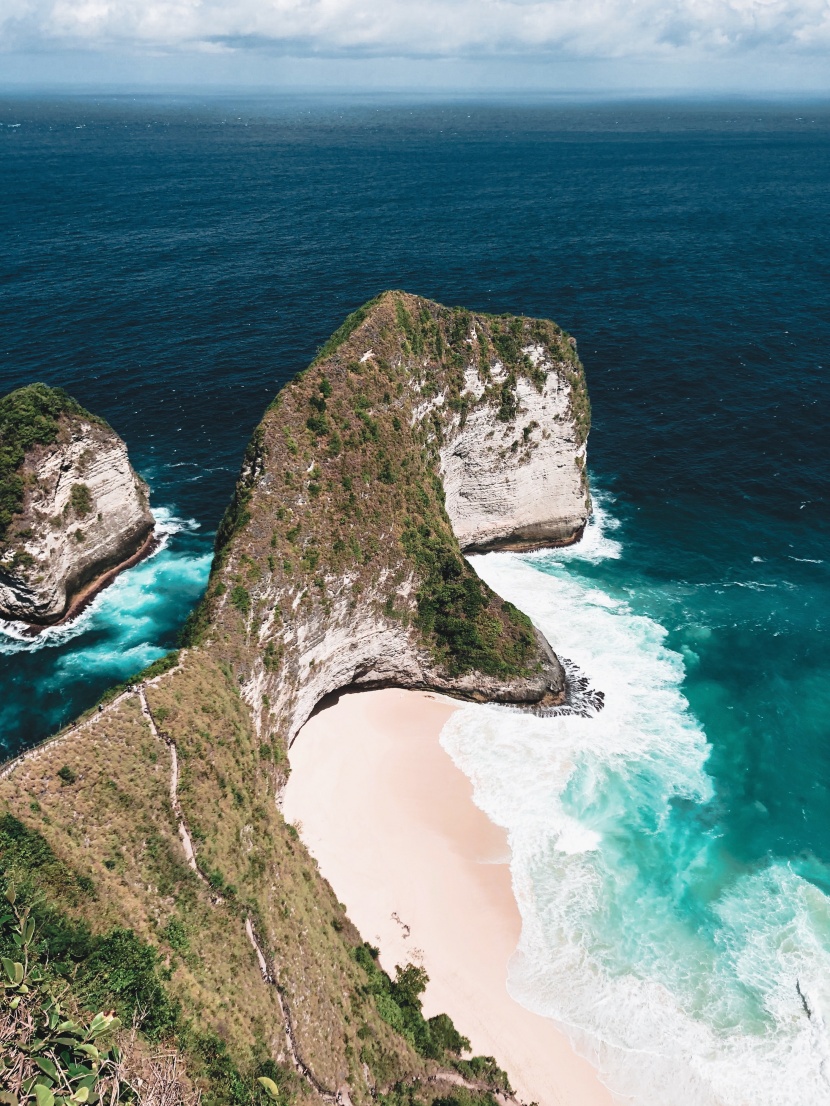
[28,417]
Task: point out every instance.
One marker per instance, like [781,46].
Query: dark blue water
[171,263]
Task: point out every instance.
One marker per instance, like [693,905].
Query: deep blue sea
[172,262]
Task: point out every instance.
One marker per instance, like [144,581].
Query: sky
[557,45]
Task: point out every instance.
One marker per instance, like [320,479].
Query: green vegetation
[51,1054]
[345,330]
[241,599]
[88,963]
[47,1058]
[155,668]
[234,520]
[28,417]
[117,971]
[399,1004]
[236,516]
[81,500]
[455,610]
[116,904]
[339,507]
[352,459]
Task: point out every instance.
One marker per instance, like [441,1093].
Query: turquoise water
[669,922]
[126,627]
[173,261]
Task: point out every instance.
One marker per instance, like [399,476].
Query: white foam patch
[596,544]
[613,861]
[131,597]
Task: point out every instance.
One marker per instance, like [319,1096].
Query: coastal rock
[338,564]
[75,510]
[418,431]
[509,491]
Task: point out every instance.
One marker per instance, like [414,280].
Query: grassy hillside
[89,836]
[244,963]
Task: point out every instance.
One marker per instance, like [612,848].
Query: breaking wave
[686,977]
[117,600]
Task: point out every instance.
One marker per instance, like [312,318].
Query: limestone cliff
[148,834]
[418,431]
[72,510]
[500,495]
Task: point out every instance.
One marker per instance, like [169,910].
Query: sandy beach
[424,875]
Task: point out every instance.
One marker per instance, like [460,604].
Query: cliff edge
[419,431]
[72,510]
[148,838]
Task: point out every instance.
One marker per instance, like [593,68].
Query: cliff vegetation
[29,416]
[340,519]
[72,510]
[146,841]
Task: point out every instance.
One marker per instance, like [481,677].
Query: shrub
[28,417]
[398,1002]
[81,499]
[122,972]
[508,404]
[241,599]
[48,1057]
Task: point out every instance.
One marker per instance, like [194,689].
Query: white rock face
[518,484]
[342,574]
[353,647]
[496,497]
[85,513]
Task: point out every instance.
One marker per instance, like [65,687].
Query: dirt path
[341,1096]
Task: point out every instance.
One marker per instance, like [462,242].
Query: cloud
[660,29]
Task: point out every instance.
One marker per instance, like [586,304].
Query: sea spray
[128,625]
[119,596]
[687,977]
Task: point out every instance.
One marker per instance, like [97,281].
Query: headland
[417,433]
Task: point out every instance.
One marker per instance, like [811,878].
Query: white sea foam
[687,981]
[596,543]
[120,599]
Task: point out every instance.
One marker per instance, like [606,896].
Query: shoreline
[94,588]
[425,876]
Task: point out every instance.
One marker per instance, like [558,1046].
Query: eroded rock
[419,431]
[75,512]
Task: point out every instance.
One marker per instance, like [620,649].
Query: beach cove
[686,855]
[425,876]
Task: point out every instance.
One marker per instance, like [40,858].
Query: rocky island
[73,512]
[148,837]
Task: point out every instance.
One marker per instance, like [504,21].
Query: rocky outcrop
[338,563]
[418,431]
[82,512]
[524,496]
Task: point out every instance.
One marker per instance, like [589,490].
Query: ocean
[173,261]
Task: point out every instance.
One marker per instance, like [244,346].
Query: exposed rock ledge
[75,511]
[418,431]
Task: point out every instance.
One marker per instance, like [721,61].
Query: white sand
[424,876]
